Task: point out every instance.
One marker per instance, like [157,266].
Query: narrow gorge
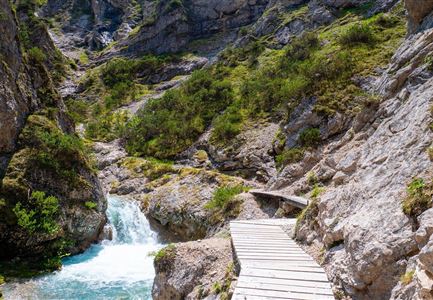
[136,134]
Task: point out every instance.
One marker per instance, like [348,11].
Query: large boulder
[194,270]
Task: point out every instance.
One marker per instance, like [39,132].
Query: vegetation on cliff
[254,82]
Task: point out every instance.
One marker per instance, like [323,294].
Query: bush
[357,34]
[289,156]
[83,58]
[169,125]
[223,196]
[227,126]
[90,204]
[309,137]
[300,48]
[419,197]
[38,214]
[386,20]
[316,191]
[36,55]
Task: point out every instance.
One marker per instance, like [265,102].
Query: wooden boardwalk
[273,266]
[296,201]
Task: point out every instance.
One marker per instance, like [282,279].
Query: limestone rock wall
[32,115]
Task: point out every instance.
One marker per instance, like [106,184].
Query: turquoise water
[116,269]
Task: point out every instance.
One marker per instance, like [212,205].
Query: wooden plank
[287,275]
[283,281]
[285,288]
[285,264]
[284,295]
[237,296]
[294,268]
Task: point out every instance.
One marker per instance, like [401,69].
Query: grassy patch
[308,215]
[418,198]
[358,34]
[90,204]
[224,203]
[407,277]
[83,58]
[289,156]
[167,252]
[150,168]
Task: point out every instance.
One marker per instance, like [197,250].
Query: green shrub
[90,204]
[36,55]
[38,213]
[358,34]
[386,20]
[309,137]
[223,196]
[316,191]
[172,5]
[227,125]
[83,58]
[169,125]
[166,252]
[78,110]
[289,156]
[300,48]
[419,197]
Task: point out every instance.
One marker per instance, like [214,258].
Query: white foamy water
[116,269]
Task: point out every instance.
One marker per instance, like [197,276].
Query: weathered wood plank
[282,281]
[285,288]
[279,294]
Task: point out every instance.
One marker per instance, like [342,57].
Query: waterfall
[120,268]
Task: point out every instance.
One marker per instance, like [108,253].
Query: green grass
[83,58]
[418,198]
[90,204]
[223,196]
[289,156]
[36,55]
[166,252]
[224,203]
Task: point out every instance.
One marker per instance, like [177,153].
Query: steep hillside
[46,175]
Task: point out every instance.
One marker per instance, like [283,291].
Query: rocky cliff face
[370,242]
[46,177]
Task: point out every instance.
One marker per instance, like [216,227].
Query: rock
[191,270]
[27,165]
[340,178]
[417,11]
[425,229]
[250,153]
[179,204]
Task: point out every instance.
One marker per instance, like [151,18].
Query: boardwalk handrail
[296,201]
[273,266]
